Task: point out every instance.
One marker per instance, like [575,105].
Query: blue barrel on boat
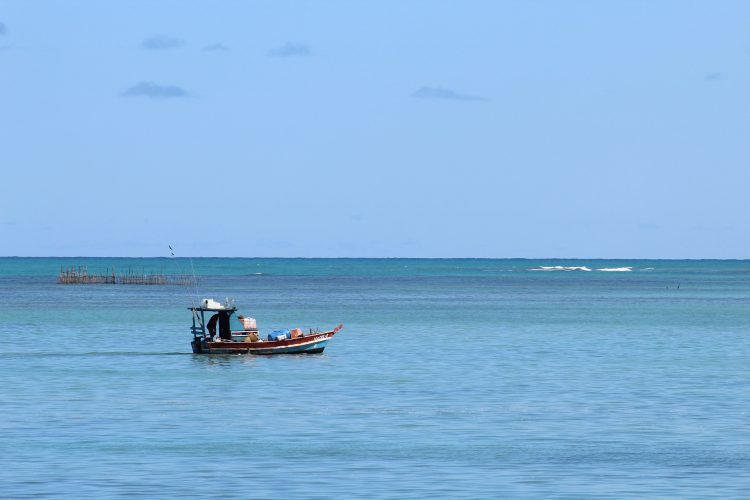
[278,335]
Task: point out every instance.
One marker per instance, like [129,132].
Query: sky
[381,128]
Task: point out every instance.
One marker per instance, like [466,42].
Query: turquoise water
[451,379]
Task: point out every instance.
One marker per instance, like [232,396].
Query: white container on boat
[211,304]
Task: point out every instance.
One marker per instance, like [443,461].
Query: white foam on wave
[561,268]
[615,269]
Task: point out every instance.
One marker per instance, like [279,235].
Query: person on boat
[212,325]
[225,331]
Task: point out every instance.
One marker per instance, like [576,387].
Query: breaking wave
[561,268]
[583,268]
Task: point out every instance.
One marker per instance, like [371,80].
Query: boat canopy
[220,315]
[214,306]
[213,309]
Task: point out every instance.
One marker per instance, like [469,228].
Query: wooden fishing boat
[248,340]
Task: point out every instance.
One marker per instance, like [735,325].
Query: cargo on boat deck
[252,337]
[278,335]
[295,332]
[248,323]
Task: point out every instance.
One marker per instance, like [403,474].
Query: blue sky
[375,129]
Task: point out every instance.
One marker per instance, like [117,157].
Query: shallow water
[451,378]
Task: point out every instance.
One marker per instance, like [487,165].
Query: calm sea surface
[451,379]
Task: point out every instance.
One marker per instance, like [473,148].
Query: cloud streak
[441,93]
[291,49]
[154,91]
[215,47]
[161,42]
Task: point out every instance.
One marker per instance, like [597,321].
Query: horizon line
[360,258]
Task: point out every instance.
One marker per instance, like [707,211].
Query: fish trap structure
[80,275]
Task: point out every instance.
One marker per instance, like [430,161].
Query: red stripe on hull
[270,344]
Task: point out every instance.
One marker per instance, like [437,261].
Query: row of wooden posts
[80,275]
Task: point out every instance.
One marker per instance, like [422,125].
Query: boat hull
[309,344]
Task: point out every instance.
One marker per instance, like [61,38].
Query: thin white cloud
[154,91]
[291,49]
[216,47]
[441,93]
[161,42]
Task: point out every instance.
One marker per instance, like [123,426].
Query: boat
[208,339]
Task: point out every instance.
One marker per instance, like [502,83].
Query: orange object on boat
[295,332]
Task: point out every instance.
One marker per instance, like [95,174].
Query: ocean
[452,378]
